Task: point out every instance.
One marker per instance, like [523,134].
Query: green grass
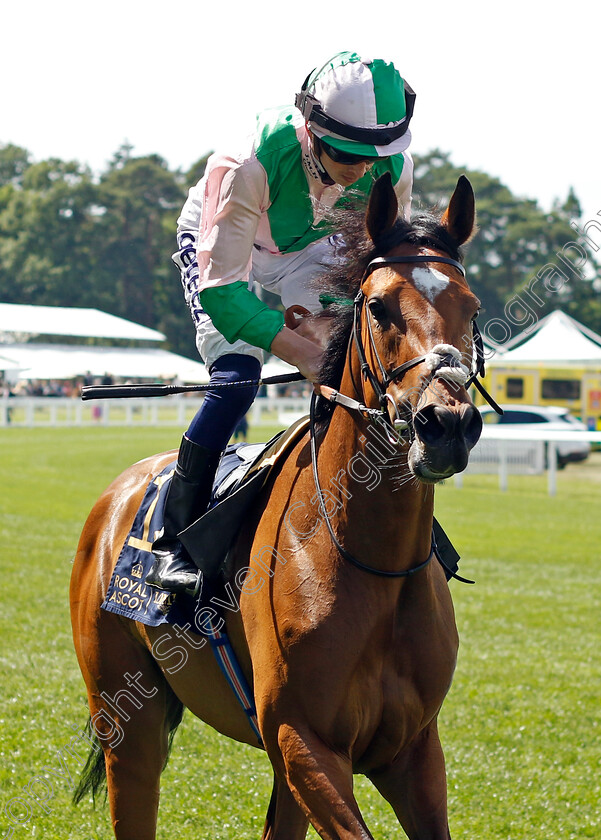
[520,728]
[522,723]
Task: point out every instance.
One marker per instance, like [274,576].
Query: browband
[380,262]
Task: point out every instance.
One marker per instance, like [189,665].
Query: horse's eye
[378,309]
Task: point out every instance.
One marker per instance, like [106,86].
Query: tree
[46,219]
[13,163]
[140,200]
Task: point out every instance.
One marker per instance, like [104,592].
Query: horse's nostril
[471,424]
[435,423]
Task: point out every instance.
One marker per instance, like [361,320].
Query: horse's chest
[394,712]
[403,692]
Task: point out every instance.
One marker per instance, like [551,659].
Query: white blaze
[430,282]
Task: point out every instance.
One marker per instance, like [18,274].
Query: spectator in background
[241,430]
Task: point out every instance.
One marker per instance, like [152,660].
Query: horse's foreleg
[322,783]
[416,787]
[285,820]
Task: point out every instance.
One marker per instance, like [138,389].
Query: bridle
[447,359]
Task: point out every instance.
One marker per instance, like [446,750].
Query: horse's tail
[93,776]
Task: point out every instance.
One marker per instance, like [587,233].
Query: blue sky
[511,88]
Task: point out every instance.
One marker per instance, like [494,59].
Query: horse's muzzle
[444,438]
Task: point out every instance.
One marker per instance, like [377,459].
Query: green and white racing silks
[269,198]
[292,220]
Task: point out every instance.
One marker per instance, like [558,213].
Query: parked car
[551,417]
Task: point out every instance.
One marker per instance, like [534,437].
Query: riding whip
[106,392]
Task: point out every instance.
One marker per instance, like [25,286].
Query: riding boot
[187,498]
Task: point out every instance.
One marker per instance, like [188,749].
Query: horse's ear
[460,216]
[383,208]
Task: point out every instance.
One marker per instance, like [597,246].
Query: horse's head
[413,330]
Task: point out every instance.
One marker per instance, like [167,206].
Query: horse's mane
[340,283]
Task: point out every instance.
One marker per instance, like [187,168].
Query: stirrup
[173,571]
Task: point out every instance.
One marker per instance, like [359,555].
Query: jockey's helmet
[360,106]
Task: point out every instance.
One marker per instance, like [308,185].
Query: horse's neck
[370,476]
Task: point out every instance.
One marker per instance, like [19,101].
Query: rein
[346,555]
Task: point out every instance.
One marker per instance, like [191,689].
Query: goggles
[345,158]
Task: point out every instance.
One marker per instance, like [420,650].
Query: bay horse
[349,662]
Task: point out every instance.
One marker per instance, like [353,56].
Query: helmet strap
[314,164]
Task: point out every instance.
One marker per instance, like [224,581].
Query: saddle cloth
[242,472]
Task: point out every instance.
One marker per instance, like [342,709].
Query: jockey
[260,217]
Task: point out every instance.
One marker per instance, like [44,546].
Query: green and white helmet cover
[360,106]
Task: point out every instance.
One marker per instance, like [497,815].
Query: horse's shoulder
[298,456]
